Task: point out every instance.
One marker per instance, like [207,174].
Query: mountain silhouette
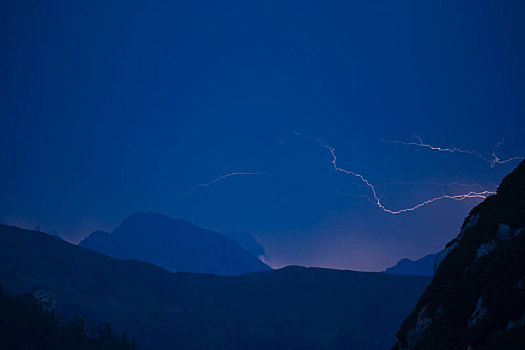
[289,308]
[175,245]
[420,267]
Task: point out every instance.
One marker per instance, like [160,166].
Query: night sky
[114,107]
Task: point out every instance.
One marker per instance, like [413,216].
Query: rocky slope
[476,299]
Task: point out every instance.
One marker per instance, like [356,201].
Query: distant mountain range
[176,245]
[420,267]
[476,299]
[289,308]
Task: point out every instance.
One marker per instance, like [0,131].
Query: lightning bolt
[495,159]
[377,201]
[433,183]
[238,173]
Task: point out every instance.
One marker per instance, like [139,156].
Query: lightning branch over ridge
[492,161]
[377,201]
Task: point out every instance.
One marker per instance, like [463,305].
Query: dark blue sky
[113,107]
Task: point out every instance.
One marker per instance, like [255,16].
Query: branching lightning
[238,173]
[459,197]
[492,161]
[433,183]
[228,175]
[377,201]
[496,160]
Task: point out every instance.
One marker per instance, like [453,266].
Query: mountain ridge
[293,307]
[174,244]
[419,267]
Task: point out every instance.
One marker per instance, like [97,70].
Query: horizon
[260,257]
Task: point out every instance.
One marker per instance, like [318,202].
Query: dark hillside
[25,324]
[290,308]
[477,297]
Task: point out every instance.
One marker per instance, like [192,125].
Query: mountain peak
[174,244]
[420,267]
[152,218]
